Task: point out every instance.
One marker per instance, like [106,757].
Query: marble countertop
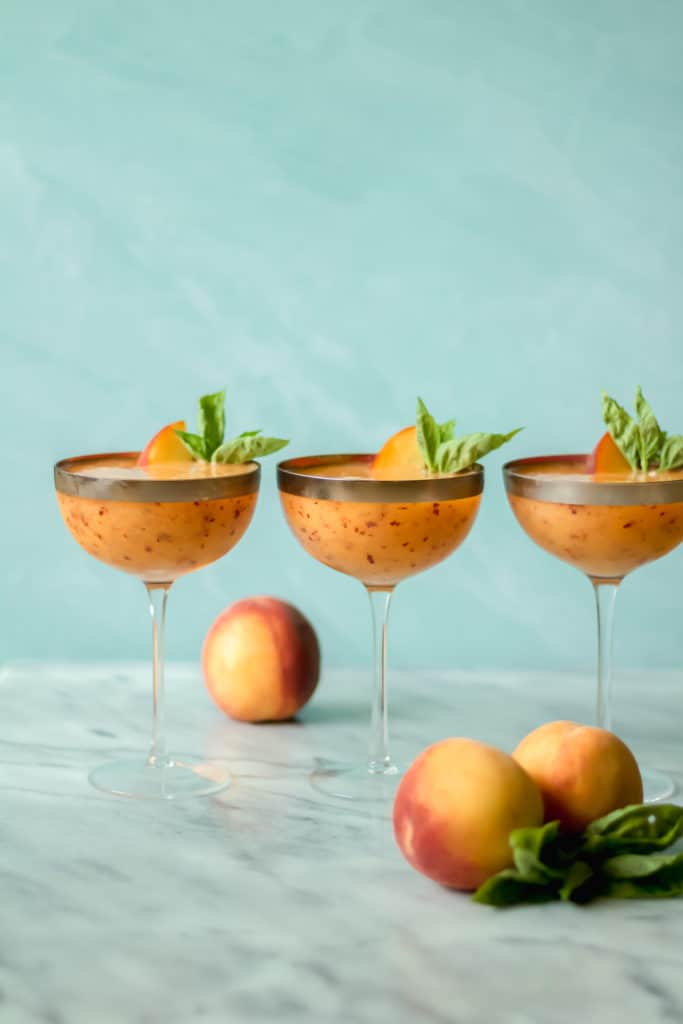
[270,903]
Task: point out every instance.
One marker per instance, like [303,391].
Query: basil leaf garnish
[194,444]
[209,445]
[643,443]
[443,452]
[211,420]
[428,435]
[247,447]
[652,436]
[671,455]
[624,430]
[462,452]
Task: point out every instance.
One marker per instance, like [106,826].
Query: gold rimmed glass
[605,526]
[157,523]
[380,532]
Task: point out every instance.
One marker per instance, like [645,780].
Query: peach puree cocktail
[368,536]
[201,513]
[380,531]
[614,524]
[606,524]
[181,503]
[381,518]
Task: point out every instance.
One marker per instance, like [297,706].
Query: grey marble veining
[270,903]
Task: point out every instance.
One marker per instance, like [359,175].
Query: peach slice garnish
[606,457]
[165,446]
[399,458]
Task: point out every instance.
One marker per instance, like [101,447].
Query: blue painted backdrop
[330,208]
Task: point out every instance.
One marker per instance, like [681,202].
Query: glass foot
[355,782]
[656,786]
[174,779]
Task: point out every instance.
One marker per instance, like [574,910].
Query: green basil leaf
[211,421]
[531,869]
[247,447]
[643,889]
[651,434]
[463,452]
[194,444]
[446,431]
[640,865]
[575,881]
[535,839]
[624,430]
[428,433]
[638,828]
[508,888]
[544,852]
[671,454]
[633,877]
[528,845]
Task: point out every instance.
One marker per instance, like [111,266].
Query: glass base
[656,786]
[173,779]
[356,782]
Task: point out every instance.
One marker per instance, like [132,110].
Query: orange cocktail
[606,524]
[380,531]
[379,542]
[157,521]
[610,524]
[110,506]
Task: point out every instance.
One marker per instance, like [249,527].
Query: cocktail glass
[157,523]
[379,532]
[606,526]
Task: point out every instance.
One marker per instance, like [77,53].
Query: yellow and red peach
[165,446]
[399,458]
[455,808]
[606,457]
[581,771]
[261,660]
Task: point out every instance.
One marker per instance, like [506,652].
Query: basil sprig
[208,443]
[641,441]
[443,452]
[617,856]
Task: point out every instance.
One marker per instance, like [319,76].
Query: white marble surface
[270,904]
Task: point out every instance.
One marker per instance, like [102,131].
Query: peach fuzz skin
[261,660]
[607,458]
[582,772]
[157,541]
[455,808]
[165,446]
[604,541]
[379,543]
[400,458]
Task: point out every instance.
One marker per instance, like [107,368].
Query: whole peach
[261,660]
[455,808]
[582,772]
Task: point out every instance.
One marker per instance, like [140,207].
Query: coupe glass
[605,526]
[380,532]
[157,523]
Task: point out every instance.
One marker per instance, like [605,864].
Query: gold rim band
[520,480]
[294,476]
[71,477]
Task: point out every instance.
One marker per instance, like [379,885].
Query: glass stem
[605,595]
[379,760]
[157,594]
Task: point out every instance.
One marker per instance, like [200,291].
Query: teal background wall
[330,208]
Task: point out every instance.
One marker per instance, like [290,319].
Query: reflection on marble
[268,903]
